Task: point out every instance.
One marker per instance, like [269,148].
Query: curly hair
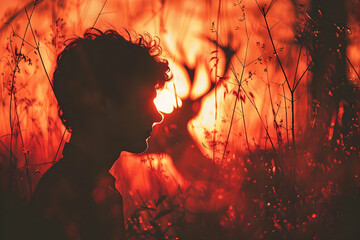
[108,62]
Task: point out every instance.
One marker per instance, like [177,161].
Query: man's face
[130,121]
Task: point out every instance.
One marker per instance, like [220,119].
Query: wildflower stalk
[216,76]
[235,105]
[17,59]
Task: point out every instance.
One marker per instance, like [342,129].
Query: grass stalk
[17,60]
[216,77]
[97,18]
[236,100]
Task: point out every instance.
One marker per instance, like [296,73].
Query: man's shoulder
[60,183]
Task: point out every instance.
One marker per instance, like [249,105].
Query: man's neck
[98,156]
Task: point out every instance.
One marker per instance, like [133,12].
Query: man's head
[106,81]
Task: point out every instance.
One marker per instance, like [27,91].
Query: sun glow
[166,100]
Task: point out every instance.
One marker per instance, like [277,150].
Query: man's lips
[149,133]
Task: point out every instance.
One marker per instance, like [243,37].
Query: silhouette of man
[105,86]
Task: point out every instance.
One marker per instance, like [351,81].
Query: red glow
[166,100]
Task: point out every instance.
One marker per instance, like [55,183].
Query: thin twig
[271,100]
[352,66]
[236,100]
[24,152]
[286,116]
[99,13]
[297,66]
[308,67]
[266,131]
[58,149]
[37,43]
[276,53]
[216,76]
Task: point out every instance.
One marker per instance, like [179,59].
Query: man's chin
[139,148]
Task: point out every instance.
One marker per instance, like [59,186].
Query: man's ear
[94,100]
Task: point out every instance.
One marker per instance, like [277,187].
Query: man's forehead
[141,88]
